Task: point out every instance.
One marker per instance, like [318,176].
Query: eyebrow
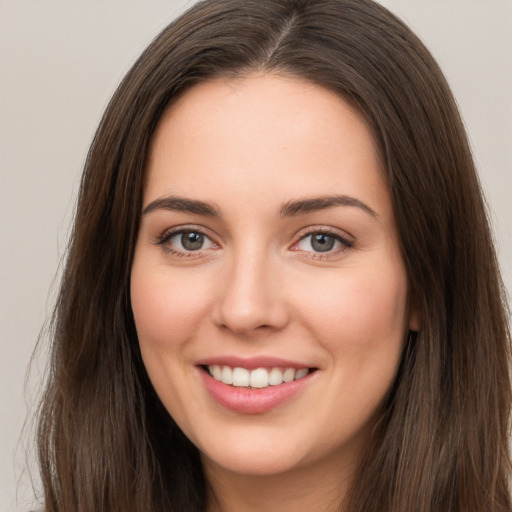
[289,209]
[182,204]
[314,204]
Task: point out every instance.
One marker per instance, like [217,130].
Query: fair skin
[262,271]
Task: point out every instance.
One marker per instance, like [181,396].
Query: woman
[281,291]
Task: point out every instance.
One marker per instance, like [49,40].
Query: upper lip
[251,363]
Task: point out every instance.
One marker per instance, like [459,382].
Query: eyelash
[166,236]
[343,241]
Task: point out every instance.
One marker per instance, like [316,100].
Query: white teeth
[289,375]
[227,375]
[301,373]
[216,372]
[258,378]
[240,377]
[275,377]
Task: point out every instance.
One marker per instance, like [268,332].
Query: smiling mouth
[257,378]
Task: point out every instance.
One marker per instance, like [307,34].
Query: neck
[299,490]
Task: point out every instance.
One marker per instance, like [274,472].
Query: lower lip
[252,401]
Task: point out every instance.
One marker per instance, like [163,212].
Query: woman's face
[268,252]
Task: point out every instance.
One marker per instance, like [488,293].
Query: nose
[250,297]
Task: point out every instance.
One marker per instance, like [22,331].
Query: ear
[415,316]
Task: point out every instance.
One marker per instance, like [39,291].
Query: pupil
[322,243]
[192,241]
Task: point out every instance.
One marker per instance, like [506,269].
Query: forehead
[245,103]
[249,135]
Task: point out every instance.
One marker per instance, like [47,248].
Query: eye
[184,242]
[322,242]
[190,241]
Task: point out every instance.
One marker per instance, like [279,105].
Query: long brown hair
[105,441]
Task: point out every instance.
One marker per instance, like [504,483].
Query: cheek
[167,310]
[167,313]
[362,312]
[361,322]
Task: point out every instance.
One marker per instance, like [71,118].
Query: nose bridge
[250,297]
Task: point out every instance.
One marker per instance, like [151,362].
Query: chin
[259,456]
[249,465]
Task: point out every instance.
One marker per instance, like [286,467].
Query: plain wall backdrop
[61,61]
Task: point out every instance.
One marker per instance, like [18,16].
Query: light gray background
[60,62]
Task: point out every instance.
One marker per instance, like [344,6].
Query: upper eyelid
[336,232]
[346,240]
[176,230]
[341,239]
[168,233]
